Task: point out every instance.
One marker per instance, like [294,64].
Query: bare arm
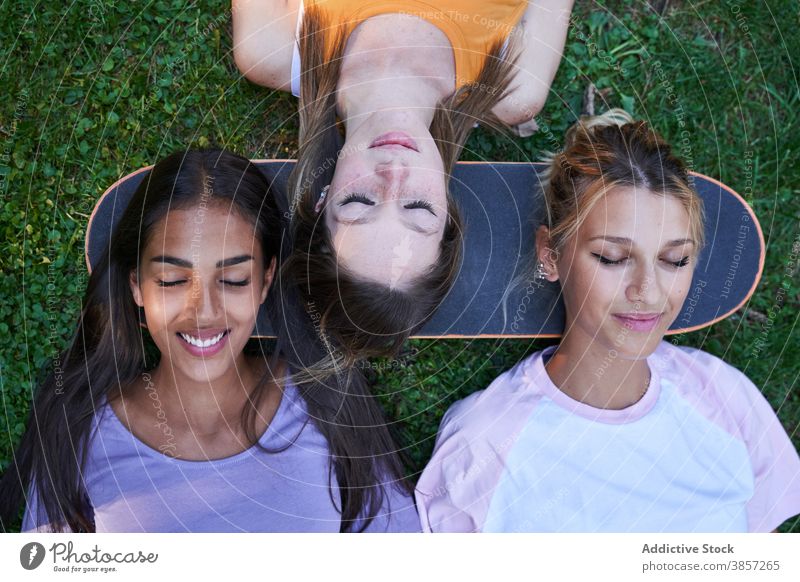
[540,36]
[263,40]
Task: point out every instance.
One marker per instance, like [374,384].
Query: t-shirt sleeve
[776,466]
[773,457]
[455,491]
[452,492]
[441,508]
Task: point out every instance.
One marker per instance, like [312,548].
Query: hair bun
[587,123]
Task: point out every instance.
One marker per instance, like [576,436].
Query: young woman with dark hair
[200,434]
[376,235]
[614,429]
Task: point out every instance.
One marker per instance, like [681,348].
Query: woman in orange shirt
[376,235]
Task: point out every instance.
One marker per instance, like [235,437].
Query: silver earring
[323,193]
[540,274]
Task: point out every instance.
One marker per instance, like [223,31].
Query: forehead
[209,232]
[637,213]
[386,253]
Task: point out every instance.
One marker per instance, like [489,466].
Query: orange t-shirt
[472,26]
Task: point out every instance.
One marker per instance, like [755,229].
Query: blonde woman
[376,235]
[614,429]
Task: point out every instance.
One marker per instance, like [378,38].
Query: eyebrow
[234,261]
[172,261]
[188,265]
[419,229]
[621,240]
[411,225]
[362,220]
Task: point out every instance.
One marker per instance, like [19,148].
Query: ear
[545,254]
[269,275]
[135,290]
[321,200]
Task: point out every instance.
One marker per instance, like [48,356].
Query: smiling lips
[395,138]
[638,321]
[204,343]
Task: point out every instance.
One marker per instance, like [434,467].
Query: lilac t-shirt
[131,487]
[702,451]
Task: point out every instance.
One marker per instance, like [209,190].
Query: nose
[643,286]
[203,301]
[394,172]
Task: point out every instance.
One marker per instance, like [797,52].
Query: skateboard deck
[502,205]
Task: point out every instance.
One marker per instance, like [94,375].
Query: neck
[597,376]
[383,105]
[388,70]
[205,406]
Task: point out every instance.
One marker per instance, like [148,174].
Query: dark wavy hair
[108,351]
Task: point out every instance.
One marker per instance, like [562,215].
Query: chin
[202,372]
[639,346]
[208,369]
[638,352]
[620,343]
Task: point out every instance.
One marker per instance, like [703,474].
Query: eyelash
[421,204]
[356,198]
[682,263]
[237,283]
[424,204]
[606,261]
[231,283]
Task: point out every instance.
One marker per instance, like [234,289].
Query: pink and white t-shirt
[702,451]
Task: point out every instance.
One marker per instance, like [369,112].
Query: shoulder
[716,389]
[727,398]
[295,427]
[486,411]
[476,434]
[685,365]
[487,423]
[264,34]
[110,438]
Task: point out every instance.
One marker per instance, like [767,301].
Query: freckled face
[626,272]
[387,206]
[201,281]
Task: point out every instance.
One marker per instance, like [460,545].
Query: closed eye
[170,283]
[424,204]
[682,263]
[237,283]
[606,260]
[356,198]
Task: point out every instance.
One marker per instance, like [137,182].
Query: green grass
[97,89]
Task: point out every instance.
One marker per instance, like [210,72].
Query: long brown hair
[360,318]
[107,351]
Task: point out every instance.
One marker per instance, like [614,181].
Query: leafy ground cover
[95,89]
